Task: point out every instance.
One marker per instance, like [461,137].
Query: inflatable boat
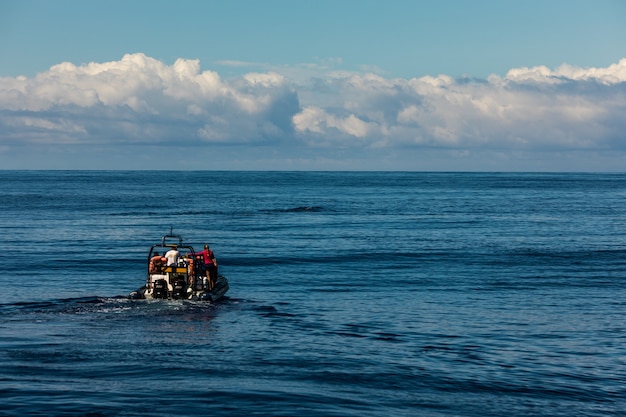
[177,272]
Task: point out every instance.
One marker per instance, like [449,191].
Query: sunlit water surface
[352,294]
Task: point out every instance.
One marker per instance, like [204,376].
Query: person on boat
[156,263]
[191,269]
[172,256]
[210,265]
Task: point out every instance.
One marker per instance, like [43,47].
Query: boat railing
[170,236]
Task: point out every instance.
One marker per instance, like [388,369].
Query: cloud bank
[139,100]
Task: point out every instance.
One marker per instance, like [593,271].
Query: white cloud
[137,96]
[316,120]
[139,99]
[531,108]
[613,74]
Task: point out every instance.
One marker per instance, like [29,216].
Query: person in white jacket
[172,256]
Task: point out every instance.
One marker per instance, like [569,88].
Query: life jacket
[156,262]
[190,265]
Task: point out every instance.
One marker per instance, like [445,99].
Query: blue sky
[322,85]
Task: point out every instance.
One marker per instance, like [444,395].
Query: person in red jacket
[210,266]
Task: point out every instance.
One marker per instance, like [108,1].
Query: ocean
[351,294]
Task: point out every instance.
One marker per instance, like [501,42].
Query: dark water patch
[271,311]
[299,209]
[388,337]
[142,213]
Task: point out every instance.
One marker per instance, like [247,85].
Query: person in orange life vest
[156,263]
[210,266]
[191,269]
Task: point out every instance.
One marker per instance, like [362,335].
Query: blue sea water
[352,294]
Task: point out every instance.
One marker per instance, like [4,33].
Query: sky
[445,85]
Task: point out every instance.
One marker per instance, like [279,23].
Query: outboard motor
[179,290]
[160,289]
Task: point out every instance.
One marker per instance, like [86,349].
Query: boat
[185,278]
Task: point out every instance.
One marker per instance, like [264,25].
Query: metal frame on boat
[185,280]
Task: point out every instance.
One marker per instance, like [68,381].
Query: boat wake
[95,305]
